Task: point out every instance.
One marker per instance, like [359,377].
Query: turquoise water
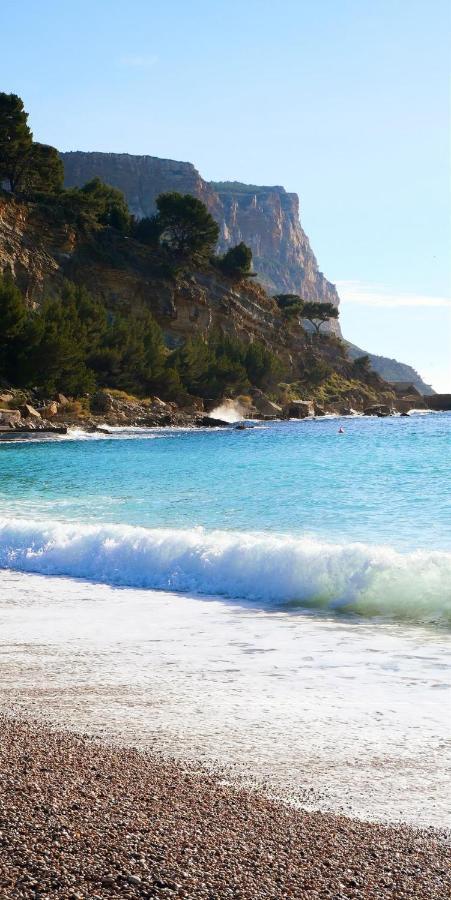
[277,600]
[383,481]
[293,512]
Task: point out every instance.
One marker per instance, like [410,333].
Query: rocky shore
[82,821]
[25,413]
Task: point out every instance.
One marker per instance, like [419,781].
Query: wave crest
[260,568]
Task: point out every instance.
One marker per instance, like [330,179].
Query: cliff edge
[265,218]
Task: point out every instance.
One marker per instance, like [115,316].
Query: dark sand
[82,820]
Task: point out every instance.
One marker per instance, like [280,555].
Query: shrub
[237,262]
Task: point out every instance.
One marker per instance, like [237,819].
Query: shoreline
[77,430]
[83,819]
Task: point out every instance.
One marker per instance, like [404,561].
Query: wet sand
[82,820]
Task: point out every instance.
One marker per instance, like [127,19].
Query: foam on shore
[271,570]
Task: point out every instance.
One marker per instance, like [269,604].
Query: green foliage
[13,315]
[44,171]
[314,311]
[15,140]
[58,356]
[315,369]
[290,304]
[337,387]
[92,205]
[12,311]
[27,166]
[73,342]
[147,231]
[223,365]
[262,366]
[318,313]
[186,228]
[107,205]
[237,262]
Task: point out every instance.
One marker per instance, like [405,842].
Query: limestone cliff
[40,250]
[265,218]
[40,253]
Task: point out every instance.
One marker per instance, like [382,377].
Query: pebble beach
[82,820]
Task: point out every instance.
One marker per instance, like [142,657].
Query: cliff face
[40,253]
[265,218]
[25,251]
[140,178]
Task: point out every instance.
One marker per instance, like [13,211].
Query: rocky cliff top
[238,187]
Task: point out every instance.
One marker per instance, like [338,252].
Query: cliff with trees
[91,297]
[266,219]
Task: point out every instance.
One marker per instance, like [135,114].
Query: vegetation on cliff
[25,165]
[107,313]
[236,262]
[74,343]
[316,313]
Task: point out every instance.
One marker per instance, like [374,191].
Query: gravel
[83,821]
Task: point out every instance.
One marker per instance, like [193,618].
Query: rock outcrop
[41,252]
[265,218]
[301,409]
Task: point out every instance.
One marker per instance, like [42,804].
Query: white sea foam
[229,411]
[258,568]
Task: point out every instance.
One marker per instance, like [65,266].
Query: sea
[271,603]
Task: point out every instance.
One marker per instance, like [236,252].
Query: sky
[345,102]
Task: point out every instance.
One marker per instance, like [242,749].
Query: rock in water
[208,422]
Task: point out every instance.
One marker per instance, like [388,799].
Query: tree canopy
[290,304]
[317,313]
[16,140]
[26,166]
[186,228]
[107,204]
[147,231]
[237,262]
[314,311]
[43,171]
[74,343]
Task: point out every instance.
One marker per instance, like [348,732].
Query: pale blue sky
[343,101]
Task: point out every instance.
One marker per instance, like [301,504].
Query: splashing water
[229,411]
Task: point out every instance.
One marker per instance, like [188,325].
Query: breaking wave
[271,570]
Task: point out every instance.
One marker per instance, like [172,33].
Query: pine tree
[43,170]
[13,315]
[237,262]
[15,140]
[187,229]
[108,204]
[58,362]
